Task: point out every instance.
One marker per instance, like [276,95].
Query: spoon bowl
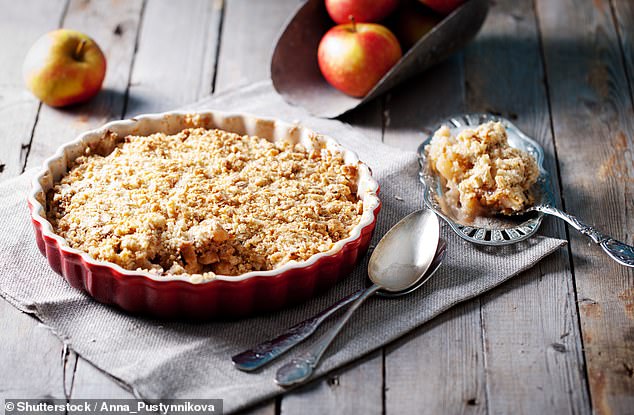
[441,252]
[406,251]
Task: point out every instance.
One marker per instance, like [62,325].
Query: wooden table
[557,339]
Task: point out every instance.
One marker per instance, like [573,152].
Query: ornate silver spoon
[505,230]
[399,261]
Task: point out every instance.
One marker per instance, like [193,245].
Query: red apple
[353,57]
[411,22]
[64,67]
[442,6]
[362,10]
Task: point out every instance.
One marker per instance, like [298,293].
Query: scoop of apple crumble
[483,175]
[205,202]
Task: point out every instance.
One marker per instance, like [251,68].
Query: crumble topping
[205,202]
[483,175]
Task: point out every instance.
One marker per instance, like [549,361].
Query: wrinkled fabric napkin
[163,359]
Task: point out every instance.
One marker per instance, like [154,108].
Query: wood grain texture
[249,32]
[440,367]
[20,26]
[527,350]
[594,128]
[28,351]
[413,107]
[176,56]
[624,20]
[265,408]
[113,25]
[33,354]
[353,389]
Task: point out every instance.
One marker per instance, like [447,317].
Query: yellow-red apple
[411,22]
[64,67]
[442,6]
[353,57]
[369,11]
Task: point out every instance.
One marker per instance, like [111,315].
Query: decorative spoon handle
[267,351]
[301,368]
[619,251]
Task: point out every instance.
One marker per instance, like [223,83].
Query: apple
[442,6]
[364,11]
[411,22]
[64,67]
[353,57]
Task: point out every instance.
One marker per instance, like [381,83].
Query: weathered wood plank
[594,130]
[423,101]
[530,325]
[356,389]
[114,26]
[438,368]
[176,56]
[20,26]
[624,19]
[266,408]
[249,32]
[28,350]
[33,354]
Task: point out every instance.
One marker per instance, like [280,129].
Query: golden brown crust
[205,202]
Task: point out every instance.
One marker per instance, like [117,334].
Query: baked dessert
[482,174]
[205,202]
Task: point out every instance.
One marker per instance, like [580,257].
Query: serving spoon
[270,350]
[399,261]
[505,230]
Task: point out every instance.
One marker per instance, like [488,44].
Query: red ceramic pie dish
[177,296]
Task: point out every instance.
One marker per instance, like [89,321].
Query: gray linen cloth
[163,359]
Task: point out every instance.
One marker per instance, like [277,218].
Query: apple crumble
[205,202]
[483,175]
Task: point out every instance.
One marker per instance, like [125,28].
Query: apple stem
[354,23]
[80,49]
